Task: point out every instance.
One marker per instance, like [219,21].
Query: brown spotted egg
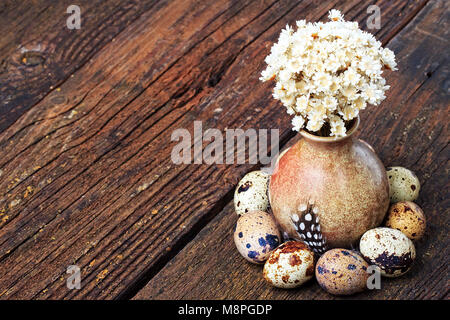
[256,235]
[251,193]
[407,217]
[389,249]
[403,184]
[290,265]
[342,272]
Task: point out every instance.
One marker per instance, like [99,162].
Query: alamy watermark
[74,20]
[374,280]
[374,20]
[227,147]
[74,279]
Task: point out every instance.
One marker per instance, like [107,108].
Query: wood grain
[407,130]
[38,52]
[86,175]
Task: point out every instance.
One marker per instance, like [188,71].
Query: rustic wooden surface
[85,173]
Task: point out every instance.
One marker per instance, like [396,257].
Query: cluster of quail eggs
[290,263]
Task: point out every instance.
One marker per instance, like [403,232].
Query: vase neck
[331,141]
[330,144]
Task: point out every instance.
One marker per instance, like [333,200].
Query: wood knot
[32,58]
[58,99]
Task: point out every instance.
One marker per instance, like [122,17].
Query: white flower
[267,74]
[351,77]
[349,92]
[333,63]
[348,113]
[314,125]
[331,103]
[284,75]
[337,126]
[327,72]
[301,24]
[323,81]
[335,15]
[297,123]
[365,64]
[316,120]
[359,103]
[301,104]
[388,58]
[373,94]
[290,111]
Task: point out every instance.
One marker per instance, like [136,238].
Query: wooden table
[86,117]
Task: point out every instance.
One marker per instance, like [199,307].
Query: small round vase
[341,177]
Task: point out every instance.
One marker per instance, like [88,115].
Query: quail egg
[290,265]
[256,235]
[403,184]
[389,249]
[342,272]
[407,217]
[251,193]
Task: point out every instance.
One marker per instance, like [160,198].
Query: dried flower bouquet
[327,72]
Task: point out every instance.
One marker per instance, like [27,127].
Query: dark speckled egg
[342,272]
[256,235]
[389,249]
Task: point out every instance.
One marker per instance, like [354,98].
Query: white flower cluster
[327,72]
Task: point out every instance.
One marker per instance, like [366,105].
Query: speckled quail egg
[342,272]
[389,249]
[403,184]
[251,193]
[407,217]
[256,235]
[290,265]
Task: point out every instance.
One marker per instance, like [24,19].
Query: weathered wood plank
[409,130]
[96,155]
[37,31]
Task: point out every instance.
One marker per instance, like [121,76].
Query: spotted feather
[306,223]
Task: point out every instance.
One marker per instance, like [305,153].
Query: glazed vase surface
[342,178]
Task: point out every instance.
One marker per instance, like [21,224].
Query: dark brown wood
[86,176]
[38,52]
[407,130]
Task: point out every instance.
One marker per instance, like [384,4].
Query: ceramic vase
[342,178]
